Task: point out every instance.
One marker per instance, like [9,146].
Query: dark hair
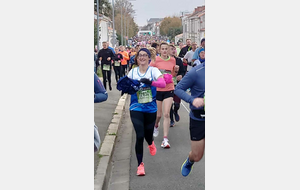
[154,44]
[203,40]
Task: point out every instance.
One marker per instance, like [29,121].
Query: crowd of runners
[157,75]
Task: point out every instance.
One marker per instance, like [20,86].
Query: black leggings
[106,75]
[143,124]
[117,70]
[123,70]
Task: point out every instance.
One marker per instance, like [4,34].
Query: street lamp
[114,37]
[98,1]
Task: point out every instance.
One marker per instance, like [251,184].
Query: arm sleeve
[181,69]
[125,56]
[99,90]
[98,55]
[185,83]
[181,53]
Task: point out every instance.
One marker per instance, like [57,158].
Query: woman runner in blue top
[143,106]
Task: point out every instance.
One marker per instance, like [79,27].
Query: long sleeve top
[194,79]
[99,90]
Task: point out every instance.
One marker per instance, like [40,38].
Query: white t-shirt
[145,99]
[152,73]
[189,56]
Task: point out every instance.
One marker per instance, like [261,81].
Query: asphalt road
[163,171]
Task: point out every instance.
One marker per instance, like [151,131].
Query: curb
[104,167]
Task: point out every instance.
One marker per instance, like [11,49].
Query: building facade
[105,29]
[194,25]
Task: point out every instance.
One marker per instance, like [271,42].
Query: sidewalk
[103,114]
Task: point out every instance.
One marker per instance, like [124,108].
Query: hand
[198,102]
[176,68]
[146,81]
[179,77]
[108,59]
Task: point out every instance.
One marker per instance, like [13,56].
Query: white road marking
[185,107]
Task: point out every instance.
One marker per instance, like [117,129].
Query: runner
[143,106]
[180,74]
[164,97]
[194,79]
[189,55]
[117,64]
[201,58]
[100,95]
[196,54]
[124,60]
[185,49]
[132,63]
[105,55]
[156,46]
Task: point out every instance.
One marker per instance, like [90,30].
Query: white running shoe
[155,132]
[165,144]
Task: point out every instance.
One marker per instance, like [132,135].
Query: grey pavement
[122,153]
[103,114]
[162,170]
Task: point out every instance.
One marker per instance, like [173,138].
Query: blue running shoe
[186,167]
[172,123]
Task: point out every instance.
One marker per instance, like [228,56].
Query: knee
[167,115]
[139,138]
[158,115]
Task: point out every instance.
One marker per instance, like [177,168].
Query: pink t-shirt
[165,66]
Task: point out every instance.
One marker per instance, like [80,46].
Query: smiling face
[143,58]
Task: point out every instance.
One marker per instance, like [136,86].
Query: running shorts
[197,130]
[161,95]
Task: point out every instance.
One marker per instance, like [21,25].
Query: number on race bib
[144,95]
[106,67]
[117,63]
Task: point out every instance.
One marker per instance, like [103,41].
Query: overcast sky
[146,9]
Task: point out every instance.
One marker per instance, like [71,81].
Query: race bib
[106,67]
[174,80]
[144,95]
[117,63]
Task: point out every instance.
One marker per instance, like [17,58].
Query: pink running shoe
[141,170]
[152,148]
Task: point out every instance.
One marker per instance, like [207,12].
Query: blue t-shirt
[150,106]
